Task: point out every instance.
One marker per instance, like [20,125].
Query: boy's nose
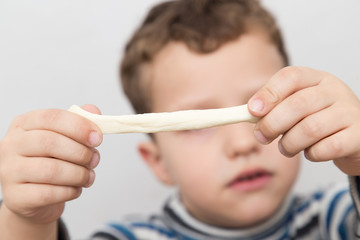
[240,140]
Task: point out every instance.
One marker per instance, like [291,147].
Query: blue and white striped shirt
[326,214]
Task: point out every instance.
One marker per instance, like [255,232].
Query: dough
[167,121]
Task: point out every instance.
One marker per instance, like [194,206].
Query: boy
[231,185]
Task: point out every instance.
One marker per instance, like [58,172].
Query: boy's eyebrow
[167,121]
[198,104]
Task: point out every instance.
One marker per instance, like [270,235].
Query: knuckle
[19,121]
[300,102]
[85,156]
[16,123]
[48,142]
[50,170]
[51,115]
[312,128]
[291,73]
[337,147]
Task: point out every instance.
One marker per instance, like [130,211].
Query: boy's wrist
[14,227]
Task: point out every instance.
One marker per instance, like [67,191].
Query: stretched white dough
[167,121]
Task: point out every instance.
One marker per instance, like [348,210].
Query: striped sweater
[327,214]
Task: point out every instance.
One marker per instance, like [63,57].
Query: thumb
[91,108]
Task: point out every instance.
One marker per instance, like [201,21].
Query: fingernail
[282,151]
[79,191]
[260,137]
[94,138]
[91,178]
[256,105]
[95,160]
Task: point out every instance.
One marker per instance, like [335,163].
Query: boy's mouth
[251,180]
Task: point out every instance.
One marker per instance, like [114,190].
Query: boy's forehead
[194,80]
[254,49]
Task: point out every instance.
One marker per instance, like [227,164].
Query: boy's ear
[149,151]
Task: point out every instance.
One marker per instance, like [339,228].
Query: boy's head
[202,25]
[199,54]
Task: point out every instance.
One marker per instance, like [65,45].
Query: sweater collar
[183,222]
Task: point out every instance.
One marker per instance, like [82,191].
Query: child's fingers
[292,110]
[54,172]
[342,147]
[284,83]
[313,129]
[43,143]
[40,195]
[91,108]
[63,122]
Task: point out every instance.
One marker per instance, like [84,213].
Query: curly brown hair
[203,25]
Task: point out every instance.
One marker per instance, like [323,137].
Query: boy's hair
[203,25]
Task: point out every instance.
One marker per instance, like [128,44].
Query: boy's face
[226,178]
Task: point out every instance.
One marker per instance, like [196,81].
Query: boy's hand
[313,111]
[46,158]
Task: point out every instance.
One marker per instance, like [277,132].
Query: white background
[57,53]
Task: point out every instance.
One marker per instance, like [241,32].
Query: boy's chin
[258,214]
[248,216]
[252,217]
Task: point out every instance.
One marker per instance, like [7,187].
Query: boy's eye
[198,131]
